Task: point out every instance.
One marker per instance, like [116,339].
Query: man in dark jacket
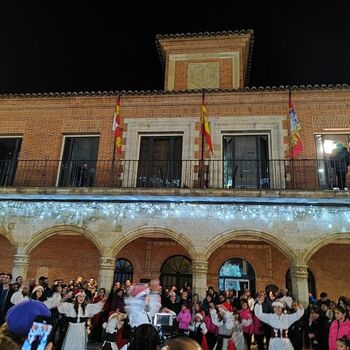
[5,296]
[340,160]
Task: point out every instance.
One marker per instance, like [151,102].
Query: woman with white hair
[77,314]
[280,322]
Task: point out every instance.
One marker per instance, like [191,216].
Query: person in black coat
[318,329]
[340,160]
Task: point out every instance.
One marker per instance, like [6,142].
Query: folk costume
[76,336]
[225,324]
[280,324]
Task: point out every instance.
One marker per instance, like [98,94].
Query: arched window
[236,274]
[123,271]
[177,270]
[310,281]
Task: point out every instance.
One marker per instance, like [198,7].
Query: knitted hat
[279,303]
[20,317]
[198,315]
[226,307]
[37,288]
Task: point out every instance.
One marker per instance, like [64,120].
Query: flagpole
[201,168]
[289,137]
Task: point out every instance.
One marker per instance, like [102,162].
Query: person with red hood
[223,318]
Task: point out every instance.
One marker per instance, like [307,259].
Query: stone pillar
[299,275]
[20,265]
[199,277]
[106,275]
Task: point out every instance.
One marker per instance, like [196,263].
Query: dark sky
[83,48]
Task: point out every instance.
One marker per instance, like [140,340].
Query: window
[9,152]
[78,166]
[325,144]
[236,274]
[176,271]
[123,271]
[246,161]
[160,161]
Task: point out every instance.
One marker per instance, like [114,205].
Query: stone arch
[228,236]
[325,240]
[152,232]
[9,236]
[41,236]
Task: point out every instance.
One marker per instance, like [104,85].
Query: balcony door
[246,161]
[78,165]
[9,152]
[160,161]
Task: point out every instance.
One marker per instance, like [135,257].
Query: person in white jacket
[21,294]
[223,318]
[280,322]
[77,314]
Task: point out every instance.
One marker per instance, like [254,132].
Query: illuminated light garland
[78,212]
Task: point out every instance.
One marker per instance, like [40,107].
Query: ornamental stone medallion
[203,75]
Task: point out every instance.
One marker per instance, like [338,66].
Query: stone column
[199,277]
[106,275]
[299,275]
[20,265]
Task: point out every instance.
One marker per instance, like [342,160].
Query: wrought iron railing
[305,174]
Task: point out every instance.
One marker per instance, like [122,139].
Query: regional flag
[296,144]
[205,129]
[117,128]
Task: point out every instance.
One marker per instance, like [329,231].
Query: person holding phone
[20,324]
[77,314]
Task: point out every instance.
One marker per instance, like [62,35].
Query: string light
[304,218]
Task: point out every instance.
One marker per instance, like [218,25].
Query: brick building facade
[68,209]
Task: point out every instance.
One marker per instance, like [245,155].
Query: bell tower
[219,60]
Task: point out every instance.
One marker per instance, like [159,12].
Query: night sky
[82,48]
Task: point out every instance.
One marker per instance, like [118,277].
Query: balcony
[306,174]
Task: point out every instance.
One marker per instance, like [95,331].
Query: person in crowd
[247,294]
[247,322]
[318,329]
[312,299]
[198,309]
[211,327]
[77,314]
[32,285]
[198,330]
[343,343]
[327,311]
[44,282]
[280,322]
[112,326]
[284,296]
[214,295]
[297,329]
[223,318]
[237,334]
[259,328]
[180,343]
[98,319]
[92,286]
[145,337]
[5,296]
[340,327]
[340,160]
[184,319]
[19,320]
[323,299]
[51,302]
[206,302]
[21,294]
[172,304]
[19,280]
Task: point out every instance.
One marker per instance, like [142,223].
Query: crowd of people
[127,317]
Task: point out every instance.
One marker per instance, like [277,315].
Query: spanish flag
[117,128]
[205,129]
[296,144]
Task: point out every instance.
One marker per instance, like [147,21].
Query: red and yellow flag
[205,129]
[296,144]
[117,128]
